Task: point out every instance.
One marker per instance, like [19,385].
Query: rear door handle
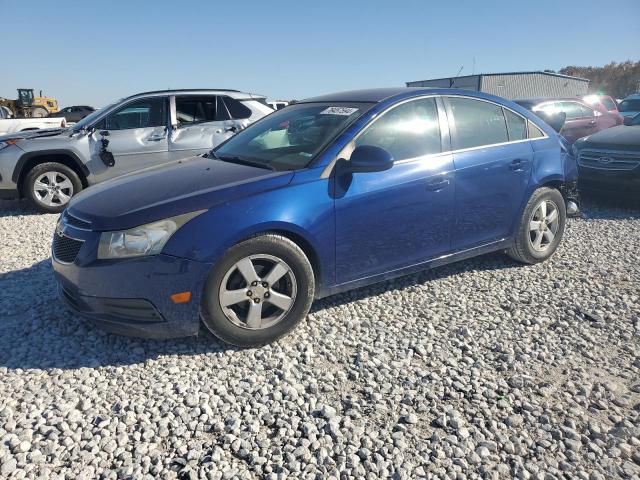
[517,165]
[438,184]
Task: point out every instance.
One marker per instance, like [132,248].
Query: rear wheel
[39,112]
[260,290]
[50,186]
[541,227]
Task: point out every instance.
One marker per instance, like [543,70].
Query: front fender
[303,211]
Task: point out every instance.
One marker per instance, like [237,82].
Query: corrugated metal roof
[505,73]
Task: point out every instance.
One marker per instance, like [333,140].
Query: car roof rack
[184,90]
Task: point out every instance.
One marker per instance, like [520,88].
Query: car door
[201,122]
[492,159]
[137,136]
[403,216]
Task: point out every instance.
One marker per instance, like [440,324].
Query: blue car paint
[357,230]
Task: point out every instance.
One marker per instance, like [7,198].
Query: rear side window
[586,111]
[608,103]
[408,131]
[534,131]
[477,123]
[148,112]
[516,126]
[236,109]
[196,109]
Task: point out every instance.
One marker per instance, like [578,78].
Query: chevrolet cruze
[323,196]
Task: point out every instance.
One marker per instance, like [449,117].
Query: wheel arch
[294,233]
[31,159]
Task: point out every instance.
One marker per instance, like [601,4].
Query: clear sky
[95,52]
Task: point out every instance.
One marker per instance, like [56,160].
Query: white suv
[137,132]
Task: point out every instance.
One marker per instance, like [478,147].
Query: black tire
[212,312]
[523,249]
[37,172]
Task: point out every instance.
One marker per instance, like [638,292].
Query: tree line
[615,79]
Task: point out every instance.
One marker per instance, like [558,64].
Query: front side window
[609,104]
[571,109]
[516,125]
[148,112]
[410,130]
[477,123]
[290,139]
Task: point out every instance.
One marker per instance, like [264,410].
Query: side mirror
[631,121]
[367,158]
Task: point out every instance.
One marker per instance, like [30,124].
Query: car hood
[621,137]
[187,185]
[44,132]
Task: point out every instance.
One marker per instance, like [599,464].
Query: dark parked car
[630,106]
[609,161]
[75,113]
[326,195]
[581,119]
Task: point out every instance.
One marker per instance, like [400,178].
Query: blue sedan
[325,195]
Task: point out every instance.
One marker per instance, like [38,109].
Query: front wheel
[260,290]
[50,186]
[541,227]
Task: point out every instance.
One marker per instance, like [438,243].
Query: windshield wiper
[241,161]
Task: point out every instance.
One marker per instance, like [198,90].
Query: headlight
[144,240]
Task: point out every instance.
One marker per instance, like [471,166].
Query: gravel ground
[481,369]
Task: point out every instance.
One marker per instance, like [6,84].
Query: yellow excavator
[27,105]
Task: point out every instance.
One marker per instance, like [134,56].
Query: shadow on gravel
[609,207]
[14,208]
[38,332]
[490,261]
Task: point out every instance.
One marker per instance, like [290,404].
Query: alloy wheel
[257,292]
[543,225]
[53,189]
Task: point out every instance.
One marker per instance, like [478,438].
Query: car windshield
[92,116]
[631,105]
[289,139]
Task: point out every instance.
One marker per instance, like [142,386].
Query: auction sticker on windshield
[346,111]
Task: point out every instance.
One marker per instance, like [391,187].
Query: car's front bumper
[132,297]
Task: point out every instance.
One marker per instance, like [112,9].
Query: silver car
[50,166]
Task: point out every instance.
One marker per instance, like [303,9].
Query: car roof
[379,95]
[535,101]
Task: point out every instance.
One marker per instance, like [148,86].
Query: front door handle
[156,137]
[438,184]
[517,165]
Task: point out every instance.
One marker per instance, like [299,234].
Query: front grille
[609,159]
[75,221]
[65,249]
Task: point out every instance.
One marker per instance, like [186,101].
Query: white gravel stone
[481,369]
